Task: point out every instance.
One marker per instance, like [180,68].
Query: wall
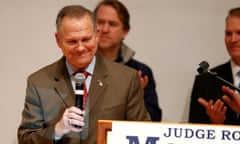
[172,37]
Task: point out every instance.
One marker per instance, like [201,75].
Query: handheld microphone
[79,91]
[203,68]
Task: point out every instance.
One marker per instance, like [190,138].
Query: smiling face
[78,40]
[232,37]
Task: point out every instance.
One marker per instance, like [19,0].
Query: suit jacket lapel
[229,72]
[63,87]
[226,72]
[62,83]
[99,81]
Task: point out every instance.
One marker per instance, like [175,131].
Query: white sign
[172,133]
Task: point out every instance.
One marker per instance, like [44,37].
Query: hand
[216,111]
[71,116]
[143,79]
[233,99]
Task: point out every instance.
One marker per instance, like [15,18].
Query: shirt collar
[235,68]
[88,69]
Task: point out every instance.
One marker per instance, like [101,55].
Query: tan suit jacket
[49,93]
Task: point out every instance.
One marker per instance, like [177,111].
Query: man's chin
[104,46]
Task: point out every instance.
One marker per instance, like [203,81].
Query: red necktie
[85,94]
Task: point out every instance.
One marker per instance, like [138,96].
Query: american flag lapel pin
[100,83]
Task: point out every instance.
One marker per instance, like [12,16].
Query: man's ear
[98,30]
[57,39]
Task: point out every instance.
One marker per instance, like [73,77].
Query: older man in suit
[114,90]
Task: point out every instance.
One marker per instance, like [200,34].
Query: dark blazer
[150,94]
[209,87]
[49,93]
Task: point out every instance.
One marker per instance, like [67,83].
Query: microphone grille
[79,78]
[203,67]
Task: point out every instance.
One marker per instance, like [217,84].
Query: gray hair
[75,11]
